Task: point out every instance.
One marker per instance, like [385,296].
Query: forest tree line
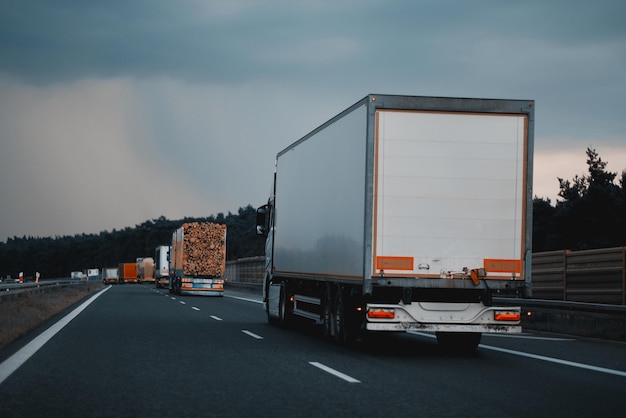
[57,257]
[591,213]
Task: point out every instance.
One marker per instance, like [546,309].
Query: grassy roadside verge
[19,314]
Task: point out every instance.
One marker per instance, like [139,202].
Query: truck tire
[270,320]
[340,334]
[327,314]
[266,302]
[285,310]
[459,342]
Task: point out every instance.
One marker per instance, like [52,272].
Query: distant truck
[198,259]
[127,272]
[404,213]
[110,275]
[162,266]
[145,270]
[93,274]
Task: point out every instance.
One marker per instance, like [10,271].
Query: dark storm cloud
[224,84]
[64,40]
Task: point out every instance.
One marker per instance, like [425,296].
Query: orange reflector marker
[381,313]
[394,263]
[507,316]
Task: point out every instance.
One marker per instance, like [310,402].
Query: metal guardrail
[563,305]
[594,320]
[11,289]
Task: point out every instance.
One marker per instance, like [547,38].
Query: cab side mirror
[262,220]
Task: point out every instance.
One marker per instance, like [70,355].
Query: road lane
[11,364]
[139,352]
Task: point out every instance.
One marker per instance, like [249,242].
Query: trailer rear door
[450,193]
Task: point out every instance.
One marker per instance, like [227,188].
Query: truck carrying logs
[198,259]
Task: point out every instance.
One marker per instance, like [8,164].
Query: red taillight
[507,316]
[381,313]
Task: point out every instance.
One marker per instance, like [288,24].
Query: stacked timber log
[203,249]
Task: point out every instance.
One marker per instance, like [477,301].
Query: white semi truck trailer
[404,213]
[162,266]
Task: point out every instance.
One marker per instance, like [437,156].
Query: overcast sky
[116,112]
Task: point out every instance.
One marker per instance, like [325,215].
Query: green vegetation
[57,257]
[591,214]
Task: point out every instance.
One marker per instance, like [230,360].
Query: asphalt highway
[137,351]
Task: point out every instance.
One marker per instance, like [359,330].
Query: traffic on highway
[137,350]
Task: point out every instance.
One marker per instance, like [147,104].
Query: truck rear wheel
[459,342]
[286,306]
[327,315]
[339,319]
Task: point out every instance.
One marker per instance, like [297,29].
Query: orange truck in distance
[127,272]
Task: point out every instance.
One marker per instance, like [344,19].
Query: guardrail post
[623,275]
[565,254]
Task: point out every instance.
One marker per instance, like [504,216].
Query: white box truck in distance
[162,266]
[404,213]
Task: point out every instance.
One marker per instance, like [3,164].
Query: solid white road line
[556,360]
[16,360]
[334,372]
[252,334]
[246,299]
[538,357]
[217,318]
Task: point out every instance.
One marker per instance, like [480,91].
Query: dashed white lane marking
[16,360]
[195,309]
[182,302]
[217,318]
[252,334]
[542,358]
[173,298]
[334,372]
